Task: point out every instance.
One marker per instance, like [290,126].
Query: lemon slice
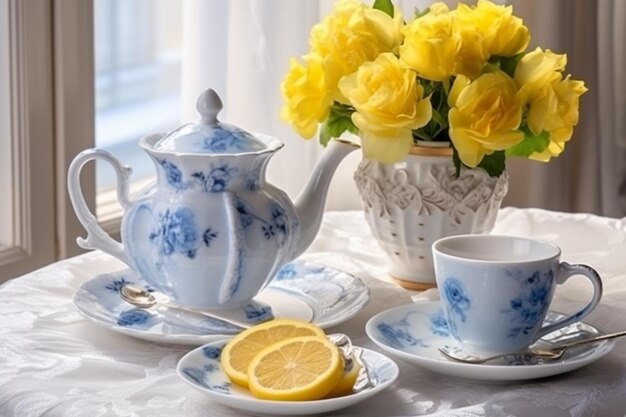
[239,352]
[344,386]
[299,369]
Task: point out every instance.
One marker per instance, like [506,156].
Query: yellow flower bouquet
[462,76]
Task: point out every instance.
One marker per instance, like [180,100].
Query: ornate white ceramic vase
[412,203]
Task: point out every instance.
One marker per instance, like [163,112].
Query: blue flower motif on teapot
[177,232]
[224,140]
[217,179]
[276,227]
[173,175]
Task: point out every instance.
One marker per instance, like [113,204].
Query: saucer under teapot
[211,232]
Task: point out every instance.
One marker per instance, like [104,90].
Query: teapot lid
[209,135]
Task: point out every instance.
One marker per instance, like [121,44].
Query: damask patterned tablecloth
[53,362]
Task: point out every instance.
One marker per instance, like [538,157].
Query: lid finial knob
[209,105]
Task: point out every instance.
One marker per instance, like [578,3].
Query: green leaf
[338,122]
[532,143]
[421,13]
[437,117]
[384,6]
[494,164]
[456,161]
[509,63]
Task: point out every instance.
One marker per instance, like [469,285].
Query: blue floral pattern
[177,232]
[117,284]
[455,295]
[212,352]
[173,174]
[530,307]
[198,375]
[224,141]
[291,271]
[252,179]
[258,313]
[397,335]
[133,317]
[208,236]
[439,325]
[276,227]
[216,180]
[288,271]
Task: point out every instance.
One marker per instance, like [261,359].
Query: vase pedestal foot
[413,285]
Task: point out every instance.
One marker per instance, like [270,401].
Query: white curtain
[242,49]
[590,176]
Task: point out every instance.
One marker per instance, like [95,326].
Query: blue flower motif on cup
[173,174]
[212,352]
[223,141]
[177,233]
[530,306]
[117,284]
[455,295]
[216,180]
[134,317]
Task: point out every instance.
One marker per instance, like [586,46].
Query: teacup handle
[97,238]
[565,271]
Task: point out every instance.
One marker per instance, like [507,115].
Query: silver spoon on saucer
[142,298]
[541,354]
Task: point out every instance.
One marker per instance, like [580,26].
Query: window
[6,224]
[27,180]
[137,84]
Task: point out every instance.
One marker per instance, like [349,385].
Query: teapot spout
[310,203]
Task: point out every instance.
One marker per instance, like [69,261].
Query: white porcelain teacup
[496,290]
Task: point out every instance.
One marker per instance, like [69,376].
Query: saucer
[302,290]
[415,332]
[200,368]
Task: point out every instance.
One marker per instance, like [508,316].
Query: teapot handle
[97,238]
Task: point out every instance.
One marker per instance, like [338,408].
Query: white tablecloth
[53,362]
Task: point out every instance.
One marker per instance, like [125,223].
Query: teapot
[211,232]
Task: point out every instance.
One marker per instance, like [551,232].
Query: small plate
[301,289]
[200,368]
[415,332]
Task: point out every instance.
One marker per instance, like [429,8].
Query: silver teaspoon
[142,298]
[542,354]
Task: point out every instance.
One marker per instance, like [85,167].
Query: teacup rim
[439,242]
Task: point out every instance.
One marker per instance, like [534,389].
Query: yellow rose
[351,35]
[472,56]
[484,117]
[431,44]
[536,70]
[306,96]
[389,104]
[555,111]
[502,34]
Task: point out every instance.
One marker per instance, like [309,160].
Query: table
[53,362]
